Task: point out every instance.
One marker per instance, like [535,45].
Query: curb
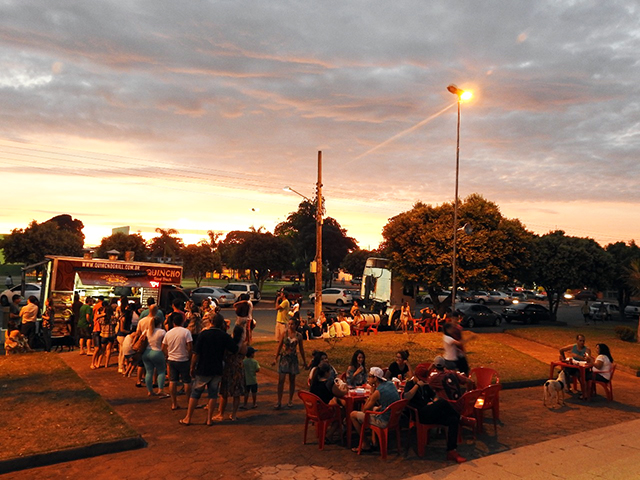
[71,454]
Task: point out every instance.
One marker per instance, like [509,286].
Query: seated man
[578,352]
[384,394]
[446,383]
[434,410]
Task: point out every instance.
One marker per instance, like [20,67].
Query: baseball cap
[378,373]
[439,362]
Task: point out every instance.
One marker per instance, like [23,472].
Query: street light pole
[466,95]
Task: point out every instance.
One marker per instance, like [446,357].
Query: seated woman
[357,370]
[317,358]
[601,365]
[400,369]
[324,385]
[433,409]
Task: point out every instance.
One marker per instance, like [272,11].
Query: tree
[123,243]
[200,259]
[256,251]
[60,235]
[624,256]
[562,262]
[166,244]
[300,228]
[419,244]
[355,261]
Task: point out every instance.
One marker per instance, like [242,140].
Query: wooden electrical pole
[319,208]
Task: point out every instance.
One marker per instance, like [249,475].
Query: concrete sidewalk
[609,453]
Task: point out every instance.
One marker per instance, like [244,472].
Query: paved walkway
[531,441]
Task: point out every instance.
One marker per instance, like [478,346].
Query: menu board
[62,305]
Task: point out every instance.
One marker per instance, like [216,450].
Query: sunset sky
[194,115]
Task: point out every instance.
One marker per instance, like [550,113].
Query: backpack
[451,386]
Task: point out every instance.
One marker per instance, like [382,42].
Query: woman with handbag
[154,359]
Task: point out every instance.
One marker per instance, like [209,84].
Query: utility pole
[318,260]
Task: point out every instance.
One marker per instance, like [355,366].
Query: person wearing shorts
[176,346]
[85,325]
[207,365]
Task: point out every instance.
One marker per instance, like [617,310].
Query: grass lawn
[380,351]
[624,353]
[46,407]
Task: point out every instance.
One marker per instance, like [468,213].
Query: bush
[625,334]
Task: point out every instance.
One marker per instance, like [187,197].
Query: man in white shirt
[177,346]
[28,315]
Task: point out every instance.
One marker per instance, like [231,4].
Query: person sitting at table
[578,352]
[384,394]
[446,383]
[601,365]
[357,370]
[433,410]
[400,369]
[318,357]
[326,386]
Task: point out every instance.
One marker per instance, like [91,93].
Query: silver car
[222,297]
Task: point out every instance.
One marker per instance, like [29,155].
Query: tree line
[493,251]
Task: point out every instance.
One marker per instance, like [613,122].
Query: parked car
[239,288]
[426,298]
[293,293]
[526,313]
[517,297]
[493,296]
[337,296]
[356,296]
[473,314]
[604,310]
[222,296]
[586,295]
[632,310]
[29,289]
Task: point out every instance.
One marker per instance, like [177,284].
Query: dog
[553,390]
[61,342]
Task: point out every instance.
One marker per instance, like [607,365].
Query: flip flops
[182,422]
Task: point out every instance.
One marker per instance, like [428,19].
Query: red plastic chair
[465,406]
[489,400]
[608,387]
[422,430]
[373,327]
[395,411]
[484,376]
[321,414]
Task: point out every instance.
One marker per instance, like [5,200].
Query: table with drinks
[581,366]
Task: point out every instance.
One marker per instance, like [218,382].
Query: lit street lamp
[462,95]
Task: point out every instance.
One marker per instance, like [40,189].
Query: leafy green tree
[492,252]
[623,256]
[198,260]
[562,262]
[166,244]
[300,228]
[60,235]
[355,261]
[122,243]
[259,252]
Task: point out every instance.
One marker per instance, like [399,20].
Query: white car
[495,296]
[222,297]
[337,296]
[609,310]
[632,310]
[241,287]
[29,289]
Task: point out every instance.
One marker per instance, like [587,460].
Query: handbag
[141,344]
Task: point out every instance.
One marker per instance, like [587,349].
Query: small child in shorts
[251,367]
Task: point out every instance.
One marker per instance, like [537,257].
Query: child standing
[251,367]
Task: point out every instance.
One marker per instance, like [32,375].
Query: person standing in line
[8,282]
[207,366]
[124,313]
[98,309]
[14,309]
[282,317]
[177,347]
[154,359]
[73,321]
[85,324]
[47,323]
[28,315]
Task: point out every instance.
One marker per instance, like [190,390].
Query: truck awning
[113,280]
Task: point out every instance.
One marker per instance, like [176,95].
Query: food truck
[92,277]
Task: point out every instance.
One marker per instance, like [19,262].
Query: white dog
[553,390]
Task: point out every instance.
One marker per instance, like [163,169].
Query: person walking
[287,358]
[586,312]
